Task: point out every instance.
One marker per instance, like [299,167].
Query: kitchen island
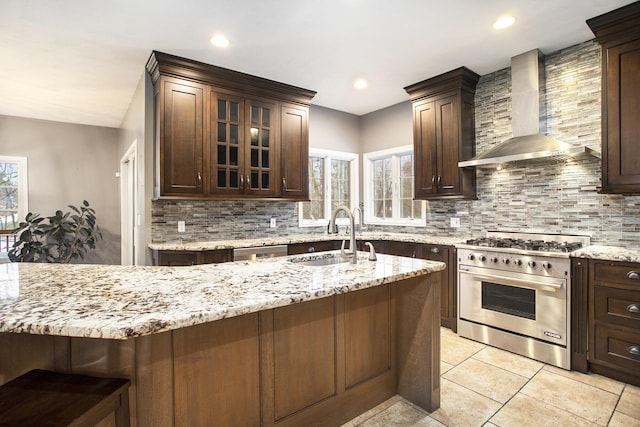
[271,342]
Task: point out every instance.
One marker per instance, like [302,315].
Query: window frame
[354,177]
[368,176]
[23,187]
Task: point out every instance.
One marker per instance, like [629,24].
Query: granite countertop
[120,302]
[303,238]
[608,253]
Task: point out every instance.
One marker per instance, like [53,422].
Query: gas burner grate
[529,245]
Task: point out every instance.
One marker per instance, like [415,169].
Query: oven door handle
[528,284]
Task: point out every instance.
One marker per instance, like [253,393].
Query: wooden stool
[47,399]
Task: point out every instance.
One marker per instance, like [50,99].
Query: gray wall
[387,128]
[68,163]
[333,130]
[137,127]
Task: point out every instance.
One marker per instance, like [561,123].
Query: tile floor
[486,387]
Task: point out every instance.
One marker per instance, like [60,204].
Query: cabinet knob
[435,250]
[633,275]
[634,349]
[311,249]
[284,184]
[633,308]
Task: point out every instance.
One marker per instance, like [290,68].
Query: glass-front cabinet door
[242,146]
[227,144]
[260,151]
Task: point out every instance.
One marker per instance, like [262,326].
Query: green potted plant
[62,238]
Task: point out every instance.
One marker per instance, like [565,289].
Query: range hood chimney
[527,104]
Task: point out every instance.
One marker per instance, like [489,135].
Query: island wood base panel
[320,362]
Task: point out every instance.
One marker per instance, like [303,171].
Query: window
[333,181]
[13,192]
[388,188]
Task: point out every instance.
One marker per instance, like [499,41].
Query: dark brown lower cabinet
[614,320]
[310,247]
[448,281]
[182,258]
[579,314]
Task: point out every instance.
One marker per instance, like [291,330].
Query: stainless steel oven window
[509,300]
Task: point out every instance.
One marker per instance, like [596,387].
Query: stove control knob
[546,266]
[506,261]
[494,259]
[532,264]
[471,257]
[519,262]
[483,258]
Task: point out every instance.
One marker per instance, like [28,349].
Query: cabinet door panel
[260,149]
[448,179]
[623,103]
[367,334]
[294,152]
[424,136]
[226,142]
[217,373]
[304,355]
[182,147]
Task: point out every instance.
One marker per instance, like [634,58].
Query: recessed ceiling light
[360,84]
[219,40]
[504,22]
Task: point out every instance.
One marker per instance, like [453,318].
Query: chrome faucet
[360,217]
[353,252]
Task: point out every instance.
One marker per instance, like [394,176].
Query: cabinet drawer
[618,347]
[624,274]
[617,306]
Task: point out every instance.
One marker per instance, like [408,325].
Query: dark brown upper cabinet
[221,134]
[618,32]
[443,135]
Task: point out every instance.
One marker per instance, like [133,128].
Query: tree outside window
[332,182]
[13,192]
[389,188]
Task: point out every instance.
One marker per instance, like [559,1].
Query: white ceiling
[79,61]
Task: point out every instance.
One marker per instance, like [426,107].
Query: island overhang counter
[271,342]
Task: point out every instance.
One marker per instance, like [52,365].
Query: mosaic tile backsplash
[553,196]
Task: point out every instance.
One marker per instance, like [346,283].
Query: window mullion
[395,199]
[327,188]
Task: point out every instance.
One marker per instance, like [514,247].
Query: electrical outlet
[455,222]
[181,226]
[272,223]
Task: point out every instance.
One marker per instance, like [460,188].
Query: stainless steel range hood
[527,99]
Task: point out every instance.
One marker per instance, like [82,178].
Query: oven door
[526,304]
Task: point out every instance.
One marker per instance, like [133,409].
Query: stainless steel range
[514,293]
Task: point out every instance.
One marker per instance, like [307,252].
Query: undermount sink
[318,260]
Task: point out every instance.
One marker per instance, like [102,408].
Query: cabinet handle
[633,308]
[199,179]
[311,249]
[435,250]
[433,181]
[242,182]
[634,349]
[284,184]
[439,181]
[633,275]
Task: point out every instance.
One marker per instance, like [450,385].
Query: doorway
[129,206]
